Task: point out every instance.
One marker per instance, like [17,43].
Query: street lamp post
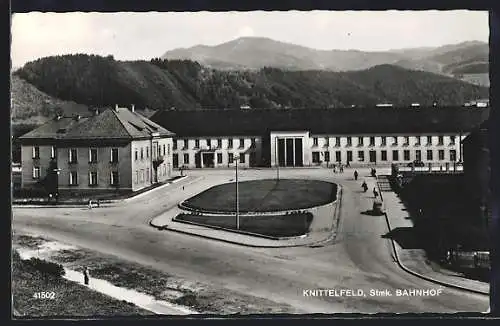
[237,158]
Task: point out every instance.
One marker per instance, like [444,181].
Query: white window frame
[96,178]
[117,155]
[71,158]
[36,172]
[184,161]
[73,181]
[36,149]
[96,155]
[112,180]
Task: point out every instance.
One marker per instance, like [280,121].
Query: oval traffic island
[269,208]
[267,195]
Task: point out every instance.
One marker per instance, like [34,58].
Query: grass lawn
[265,195]
[70,299]
[276,225]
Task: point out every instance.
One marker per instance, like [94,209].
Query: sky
[138,36]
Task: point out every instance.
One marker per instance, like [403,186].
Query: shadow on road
[406,237]
[370,212]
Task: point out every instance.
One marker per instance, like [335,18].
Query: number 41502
[44,295]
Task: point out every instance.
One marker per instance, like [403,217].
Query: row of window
[159,150]
[230,158]
[73,154]
[143,175]
[93,177]
[218,143]
[384,141]
[383,156]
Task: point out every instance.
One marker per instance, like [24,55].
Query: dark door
[298,152]
[289,152]
[373,156]
[197,160]
[208,160]
[281,152]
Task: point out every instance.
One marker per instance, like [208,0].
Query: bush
[46,268]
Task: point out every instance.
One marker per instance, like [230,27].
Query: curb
[430,279]
[151,190]
[312,244]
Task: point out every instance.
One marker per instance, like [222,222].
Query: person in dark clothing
[86,276]
[364,186]
[341,168]
[355,175]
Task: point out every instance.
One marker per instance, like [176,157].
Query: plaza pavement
[415,260]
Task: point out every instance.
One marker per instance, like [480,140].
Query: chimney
[116,107]
[133,108]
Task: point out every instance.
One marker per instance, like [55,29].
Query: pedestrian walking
[341,168]
[355,175]
[182,187]
[364,186]
[86,276]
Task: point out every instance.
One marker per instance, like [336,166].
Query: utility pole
[237,196]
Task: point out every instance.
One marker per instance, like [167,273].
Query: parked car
[416,164]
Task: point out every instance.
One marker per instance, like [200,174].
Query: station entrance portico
[287,149]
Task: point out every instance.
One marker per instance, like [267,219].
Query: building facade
[117,150]
[299,137]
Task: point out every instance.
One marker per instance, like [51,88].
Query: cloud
[245,31]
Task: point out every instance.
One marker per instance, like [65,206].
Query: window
[337,141]
[186,143]
[242,158]
[349,141]
[315,157]
[136,154]
[73,178]
[453,155]
[452,140]
[394,141]
[186,158]
[315,141]
[136,176]
[406,155]
[168,149]
[361,156]
[73,155]
[327,141]
[327,156]
[440,140]
[418,155]
[230,158]
[441,154]
[429,140]
[93,178]
[209,143]
[147,175]
[349,156]
[407,141]
[175,160]
[147,151]
[242,143]
[196,143]
[417,141]
[338,156]
[219,158]
[219,143]
[372,141]
[429,155]
[115,181]
[93,155]
[230,143]
[384,140]
[395,156]
[383,155]
[36,172]
[174,145]
[142,153]
[360,141]
[53,152]
[36,152]
[114,155]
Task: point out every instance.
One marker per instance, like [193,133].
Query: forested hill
[155,84]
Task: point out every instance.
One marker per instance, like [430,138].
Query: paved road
[359,259]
